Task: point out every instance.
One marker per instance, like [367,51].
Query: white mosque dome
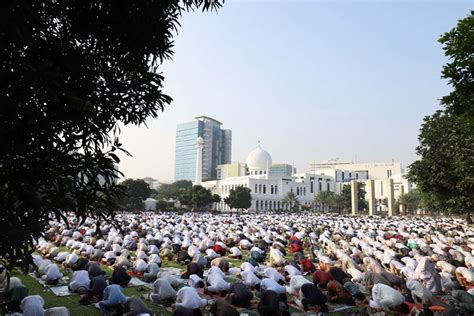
[259,160]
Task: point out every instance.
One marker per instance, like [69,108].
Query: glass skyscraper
[217,148]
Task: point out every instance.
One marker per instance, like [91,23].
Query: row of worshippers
[404,249]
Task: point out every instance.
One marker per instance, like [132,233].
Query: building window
[328,187]
[271,189]
[381,188]
[255,188]
[276,189]
[320,187]
[264,189]
[261,205]
[297,191]
[311,189]
[259,188]
[357,175]
[256,205]
[266,205]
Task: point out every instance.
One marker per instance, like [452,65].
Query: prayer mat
[137,282]
[61,290]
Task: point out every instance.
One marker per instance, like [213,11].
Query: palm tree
[292,200]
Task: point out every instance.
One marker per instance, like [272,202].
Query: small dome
[259,159]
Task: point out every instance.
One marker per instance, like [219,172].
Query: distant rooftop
[203,117]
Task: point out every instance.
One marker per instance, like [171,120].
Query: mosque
[270,187]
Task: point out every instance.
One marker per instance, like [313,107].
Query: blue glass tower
[216,151]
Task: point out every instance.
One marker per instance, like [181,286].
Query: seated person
[339,294]
[52,275]
[464,300]
[135,306]
[222,308]
[240,295]
[79,282]
[388,299]
[188,297]
[163,292]
[120,277]
[272,304]
[113,299]
[151,273]
[312,298]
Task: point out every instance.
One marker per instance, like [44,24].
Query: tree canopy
[136,191]
[291,200]
[444,174]
[71,71]
[239,198]
[172,190]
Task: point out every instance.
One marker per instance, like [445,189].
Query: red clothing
[307,265]
[320,276]
[295,248]
[218,249]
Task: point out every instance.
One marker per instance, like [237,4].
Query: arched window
[256,205]
[264,189]
[259,188]
[297,190]
[271,189]
[261,205]
[266,205]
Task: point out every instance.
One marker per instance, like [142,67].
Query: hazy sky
[312,80]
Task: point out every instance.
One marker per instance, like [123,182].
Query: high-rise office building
[217,148]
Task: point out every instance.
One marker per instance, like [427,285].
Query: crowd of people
[270,263]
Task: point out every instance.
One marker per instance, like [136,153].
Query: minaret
[268,170]
[199,146]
